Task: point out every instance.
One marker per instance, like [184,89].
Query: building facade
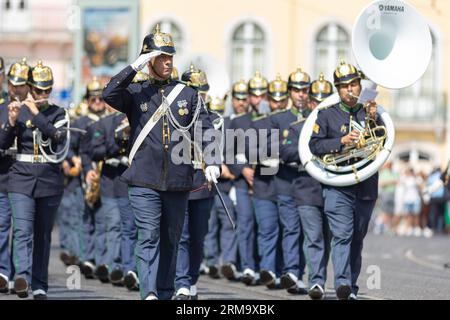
[242,36]
[39,29]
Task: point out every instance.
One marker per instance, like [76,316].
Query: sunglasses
[95,99]
[41,91]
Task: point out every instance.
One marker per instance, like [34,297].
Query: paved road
[393,268]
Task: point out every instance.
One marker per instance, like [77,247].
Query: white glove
[143,59]
[212,173]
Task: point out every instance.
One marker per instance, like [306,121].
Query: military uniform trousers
[159,217]
[63,221]
[221,240]
[269,245]
[190,249]
[107,234]
[69,221]
[32,223]
[246,229]
[5,227]
[292,236]
[348,218]
[128,235]
[316,242]
[87,232]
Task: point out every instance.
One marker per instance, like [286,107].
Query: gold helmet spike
[41,76]
[94,88]
[240,90]
[19,73]
[320,89]
[195,78]
[258,84]
[345,73]
[278,89]
[217,104]
[299,79]
[158,41]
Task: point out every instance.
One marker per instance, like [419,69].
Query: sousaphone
[392,45]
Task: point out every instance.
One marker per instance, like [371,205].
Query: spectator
[411,202]
[387,182]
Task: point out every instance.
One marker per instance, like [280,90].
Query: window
[248,51]
[21,5]
[15,10]
[332,44]
[170,27]
[422,100]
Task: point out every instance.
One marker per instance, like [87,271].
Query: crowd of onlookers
[412,204]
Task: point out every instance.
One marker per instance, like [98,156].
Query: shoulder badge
[316,128]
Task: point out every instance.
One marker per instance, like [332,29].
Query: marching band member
[158,188]
[348,209]
[221,246]
[110,144]
[35,184]
[257,93]
[292,239]
[264,190]
[18,89]
[190,249]
[308,198]
[243,173]
[80,149]
[71,208]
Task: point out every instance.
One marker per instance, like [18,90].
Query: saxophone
[92,194]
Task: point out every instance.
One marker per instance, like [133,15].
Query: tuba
[383,37]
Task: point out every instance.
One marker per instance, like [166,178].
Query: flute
[35,101]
